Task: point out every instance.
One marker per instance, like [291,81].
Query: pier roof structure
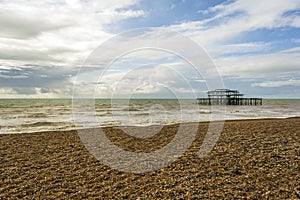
[227,97]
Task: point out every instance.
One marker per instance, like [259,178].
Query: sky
[254,46]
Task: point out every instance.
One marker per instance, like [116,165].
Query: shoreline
[141,126]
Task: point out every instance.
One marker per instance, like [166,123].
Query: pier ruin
[228,97]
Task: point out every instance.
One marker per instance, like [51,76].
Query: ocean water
[32,115]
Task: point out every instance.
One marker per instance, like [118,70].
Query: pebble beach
[253,159]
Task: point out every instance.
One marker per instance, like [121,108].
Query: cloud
[20,22]
[23,20]
[258,15]
[144,80]
[55,32]
[296,40]
[27,55]
[6,90]
[43,43]
[269,84]
[227,22]
[161,80]
[292,50]
[260,65]
[234,18]
[24,80]
[242,48]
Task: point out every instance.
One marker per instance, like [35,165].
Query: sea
[35,115]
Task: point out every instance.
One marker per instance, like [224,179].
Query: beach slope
[255,159]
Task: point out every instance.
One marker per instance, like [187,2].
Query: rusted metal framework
[228,97]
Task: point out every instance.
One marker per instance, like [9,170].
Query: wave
[37,124]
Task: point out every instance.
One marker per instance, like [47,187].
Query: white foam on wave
[18,115]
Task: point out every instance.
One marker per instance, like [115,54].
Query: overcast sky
[255,46]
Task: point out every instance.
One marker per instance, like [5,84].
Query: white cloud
[39,93]
[296,21]
[238,48]
[55,32]
[7,91]
[23,21]
[53,81]
[296,40]
[238,17]
[292,50]
[260,13]
[261,65]
[49,93]
[268,84]
[155,80]
[247,60]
